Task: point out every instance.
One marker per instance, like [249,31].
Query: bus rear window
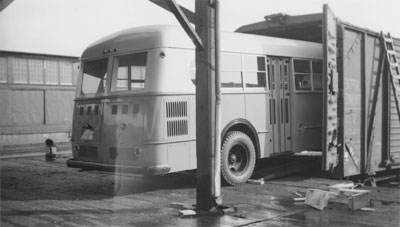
[94,77]
[129,72]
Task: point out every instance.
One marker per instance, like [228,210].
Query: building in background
[36,100]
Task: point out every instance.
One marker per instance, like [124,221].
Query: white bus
[135,101]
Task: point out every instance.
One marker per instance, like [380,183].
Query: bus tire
[238,158]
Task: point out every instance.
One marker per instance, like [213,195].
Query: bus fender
[246,127]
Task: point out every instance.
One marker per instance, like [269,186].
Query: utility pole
[206,39]
[208,177]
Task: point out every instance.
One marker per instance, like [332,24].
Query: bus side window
[255,71]
[307,75]
[302,75]
[317,74]
[231,71]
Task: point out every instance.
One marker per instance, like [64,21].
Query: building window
[66,73]
[52,72]
[3,70]
[307,75]
[75,72]
[36,71]
[20,69]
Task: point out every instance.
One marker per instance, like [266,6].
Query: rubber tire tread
[229,142]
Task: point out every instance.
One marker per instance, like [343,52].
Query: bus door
[278,69]
[87,129]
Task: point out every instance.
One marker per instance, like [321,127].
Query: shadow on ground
[36,179]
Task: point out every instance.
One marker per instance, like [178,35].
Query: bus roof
[157,36]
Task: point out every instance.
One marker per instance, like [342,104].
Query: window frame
[4,69]
[311,74]
[15,63]
[81,77]
[36,71]
[241,88]
[244,73]
[114,73]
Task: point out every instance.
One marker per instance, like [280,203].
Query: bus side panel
[179,121]
[233,107]
[258,113]
[307,121]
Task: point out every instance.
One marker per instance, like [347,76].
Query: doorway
[279,75]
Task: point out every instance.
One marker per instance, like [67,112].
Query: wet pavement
[39,193]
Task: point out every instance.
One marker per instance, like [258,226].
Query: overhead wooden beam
[4,4]
[182,15]
[183,20]
[191,16]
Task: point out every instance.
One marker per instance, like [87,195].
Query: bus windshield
[94,76]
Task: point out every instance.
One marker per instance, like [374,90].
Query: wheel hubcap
[237,159]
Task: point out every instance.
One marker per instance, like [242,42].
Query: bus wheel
[238,158]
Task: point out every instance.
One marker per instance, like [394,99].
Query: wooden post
[205,106]
[206,40]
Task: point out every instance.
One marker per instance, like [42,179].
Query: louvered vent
[177,118]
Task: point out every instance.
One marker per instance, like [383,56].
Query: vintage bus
[135,101]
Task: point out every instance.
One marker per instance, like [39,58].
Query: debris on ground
[316,198]
[181,206]
[300,197]
[186,213]
[345,193]
[256,181]
[367,209]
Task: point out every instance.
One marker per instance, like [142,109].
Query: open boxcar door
[330,91]
[361,132]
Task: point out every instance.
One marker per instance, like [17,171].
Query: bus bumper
[148,170]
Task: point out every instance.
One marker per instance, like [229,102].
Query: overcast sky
[66,27]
